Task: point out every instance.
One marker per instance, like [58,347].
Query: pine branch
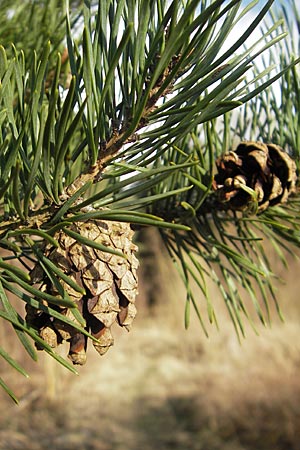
[124,127]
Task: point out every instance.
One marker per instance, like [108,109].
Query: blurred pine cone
[109,281]
[255,172]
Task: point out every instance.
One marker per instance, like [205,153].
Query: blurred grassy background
[162,387]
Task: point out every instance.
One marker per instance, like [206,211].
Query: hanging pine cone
[109,282]
[255,172]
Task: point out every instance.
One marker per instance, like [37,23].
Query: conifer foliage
[117,115]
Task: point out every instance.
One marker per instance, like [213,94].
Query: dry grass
[163,388]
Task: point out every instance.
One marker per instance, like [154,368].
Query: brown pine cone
[109,281]
[255,172]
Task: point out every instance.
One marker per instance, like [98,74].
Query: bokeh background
[163,387]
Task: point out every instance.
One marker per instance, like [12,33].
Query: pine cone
[110,283]
[264,168]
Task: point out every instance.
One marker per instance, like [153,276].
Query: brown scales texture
[109,281]
[265,168]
